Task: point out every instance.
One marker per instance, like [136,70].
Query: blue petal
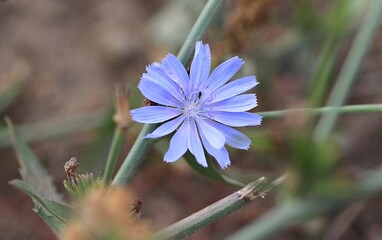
[195,145]
[233,137]
[166,128]
[157,93]
[176,71]
[224,72]
[178,143]
[236,119]
[213,136]
[221,155]
[234,88]
[239,103]
[201,64]
[154,114]
[156,74]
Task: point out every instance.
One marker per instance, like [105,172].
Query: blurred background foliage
[60,61]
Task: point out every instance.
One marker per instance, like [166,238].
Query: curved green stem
[142,145]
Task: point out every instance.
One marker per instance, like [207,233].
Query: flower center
[196,105]
[191,109]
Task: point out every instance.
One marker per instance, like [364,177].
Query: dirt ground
[74,52]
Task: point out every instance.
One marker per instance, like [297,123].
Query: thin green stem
[135,157]
[363,108]
[299,210]
[349,70]
[115,149]
[142,145]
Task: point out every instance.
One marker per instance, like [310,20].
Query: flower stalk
[123,121]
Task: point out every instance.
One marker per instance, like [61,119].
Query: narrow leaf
[52,222]
[53,209]
[31,169]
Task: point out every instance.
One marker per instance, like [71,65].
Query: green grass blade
[112,158]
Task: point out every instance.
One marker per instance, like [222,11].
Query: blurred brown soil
[77,50]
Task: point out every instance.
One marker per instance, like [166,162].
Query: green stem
[198,29]
[350,68]
[115,149]
[135,157]
[142,145]
[299,210]
[212,213]
[363,108]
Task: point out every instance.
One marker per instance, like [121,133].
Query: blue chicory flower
[202,107]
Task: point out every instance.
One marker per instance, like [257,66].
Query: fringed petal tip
[223,167]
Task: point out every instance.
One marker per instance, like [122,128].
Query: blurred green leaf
[210,172]
[313,162]
[260,139]
[53,213]
[31,169]
[342,16]
[307,17]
